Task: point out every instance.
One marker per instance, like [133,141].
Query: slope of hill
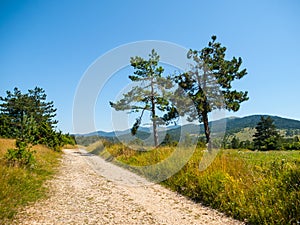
[232,125]
[251,121]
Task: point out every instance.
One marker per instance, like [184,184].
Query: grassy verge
[20,186]
[255,187]
[260,188]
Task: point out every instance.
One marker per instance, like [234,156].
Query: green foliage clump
[291,143]
[32,107]
[235,143]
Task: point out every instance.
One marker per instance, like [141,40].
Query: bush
[20,156]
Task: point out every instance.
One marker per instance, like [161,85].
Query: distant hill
[236,124]
[112,133]
[232,125]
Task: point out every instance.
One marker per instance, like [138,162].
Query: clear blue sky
[52,43]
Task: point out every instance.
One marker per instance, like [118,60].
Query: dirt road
[89,190]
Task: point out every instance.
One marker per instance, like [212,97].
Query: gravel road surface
[89,190]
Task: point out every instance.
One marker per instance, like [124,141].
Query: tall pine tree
[150,93]
[208,83]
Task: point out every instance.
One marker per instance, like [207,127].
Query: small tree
[266,136]
[235,143]
[208,83]
[150,94]
[22,155]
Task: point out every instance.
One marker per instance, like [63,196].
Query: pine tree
[266,136]
[208,83]
[30,112]
[235,143]
[150,94]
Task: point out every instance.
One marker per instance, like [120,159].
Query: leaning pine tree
[208,83]
[150,93]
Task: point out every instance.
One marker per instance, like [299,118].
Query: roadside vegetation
[30,148]
[256,187]
[21,185]
[260,185]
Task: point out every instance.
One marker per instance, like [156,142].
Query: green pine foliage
[266,137]
[209,83]
[29,118]
[16,107]
[235,143]
[150,93]
[21,155]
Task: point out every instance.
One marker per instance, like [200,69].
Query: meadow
[252,186]
[20,186]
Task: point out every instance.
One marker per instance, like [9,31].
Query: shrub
[21,155]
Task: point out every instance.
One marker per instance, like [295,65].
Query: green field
[255,187]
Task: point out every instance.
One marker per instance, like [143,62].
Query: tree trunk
[205,109]
[155,134]
[206,129]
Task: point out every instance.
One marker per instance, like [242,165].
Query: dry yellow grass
[68,146]
[5,144]
[93,146]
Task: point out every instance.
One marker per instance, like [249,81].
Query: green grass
[255,187]
[20,186]
[260,188]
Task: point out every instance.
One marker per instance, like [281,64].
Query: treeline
[30,119]
[292,143]
[266,137]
